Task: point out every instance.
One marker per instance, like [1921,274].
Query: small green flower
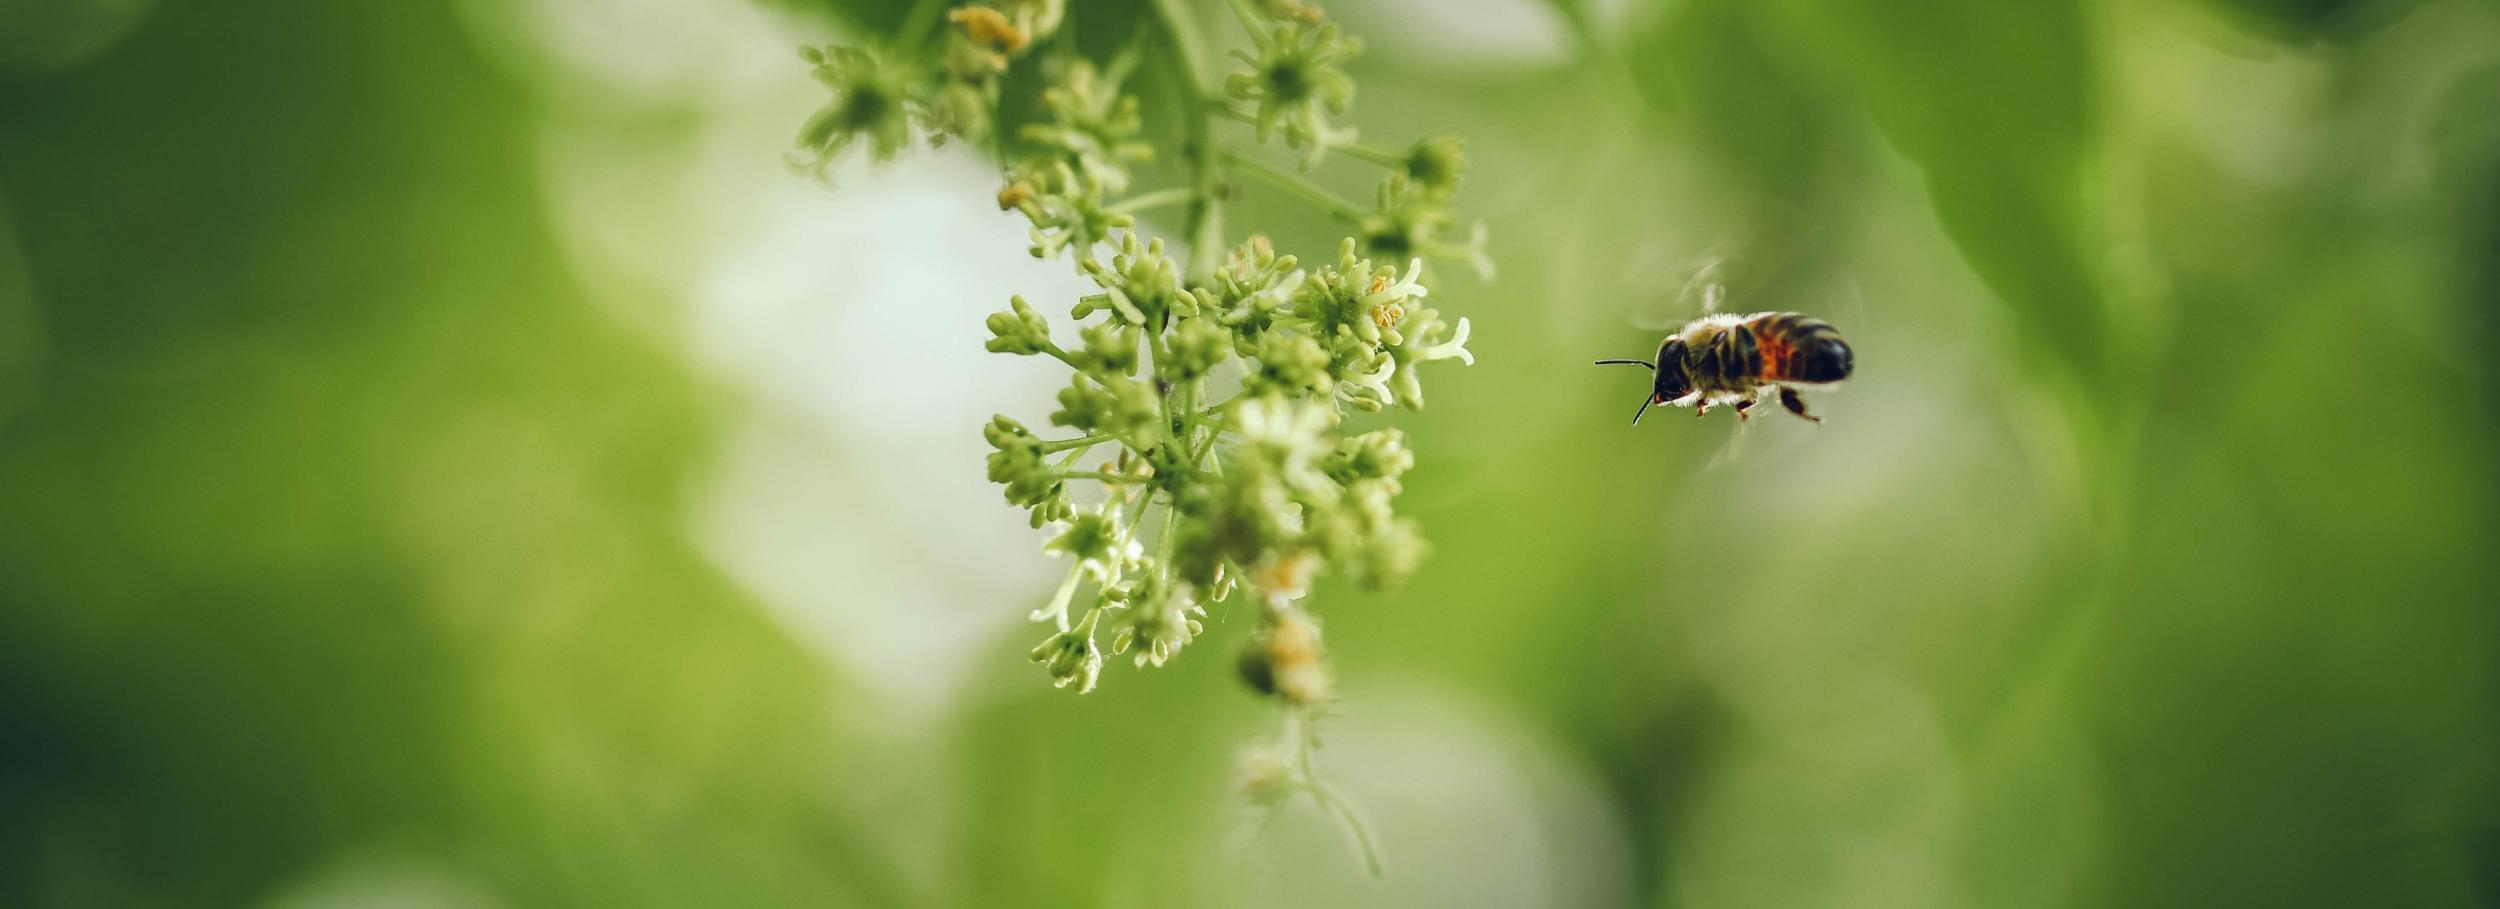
[1408,222]
[870,99]
[1296,83]
[1380,454]
[1354,297]
[1155,622]
[1066,209]
[1423,342]
[1095,539]
[1093,127]
[1253,269]
[1140,286]
[1360,371]
[1288,436]
[1071,657]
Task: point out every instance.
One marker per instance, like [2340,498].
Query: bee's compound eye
[1827,360]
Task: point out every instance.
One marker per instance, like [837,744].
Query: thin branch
[1296,186]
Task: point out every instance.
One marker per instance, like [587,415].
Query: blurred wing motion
[1734,450]
[1698,288]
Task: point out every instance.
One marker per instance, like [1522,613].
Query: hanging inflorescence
[1212,396]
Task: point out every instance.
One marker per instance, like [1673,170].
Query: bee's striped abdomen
[1795,347]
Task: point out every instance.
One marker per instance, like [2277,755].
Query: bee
[1722,360]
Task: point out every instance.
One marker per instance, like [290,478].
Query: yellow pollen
[988,26]
[1014,195]
[1387,316]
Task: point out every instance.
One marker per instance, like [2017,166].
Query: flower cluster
[1263,488]
[1218,396]
[1221,388]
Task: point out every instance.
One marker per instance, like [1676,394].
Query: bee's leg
[1743,406]
[1796,404]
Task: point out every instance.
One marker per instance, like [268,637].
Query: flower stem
[1356,827]
[1061,354]
[1381,156]
[918,22]
[1296,186]
[1057,611]
[1249,22]
[1065,444]
[1156,199]
[1206,210]
[1163,542]
[1076,453]
[1097,476]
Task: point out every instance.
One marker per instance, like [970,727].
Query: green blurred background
[445,460]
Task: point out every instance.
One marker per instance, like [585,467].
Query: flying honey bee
[1723,360]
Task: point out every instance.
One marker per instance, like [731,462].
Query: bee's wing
[1849,309]
[1734,450]
[1697,287]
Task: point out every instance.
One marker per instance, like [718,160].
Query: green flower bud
[1140,286]
[1193,348]
[1288,365]
[1111,405]
[1019,455]
[1110,349]
[1436,163]
[1017,465]
[1018,330]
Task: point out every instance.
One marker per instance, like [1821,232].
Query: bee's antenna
[1645,402]
[1645,363]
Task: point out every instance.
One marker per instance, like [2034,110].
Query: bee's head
[1674,380]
